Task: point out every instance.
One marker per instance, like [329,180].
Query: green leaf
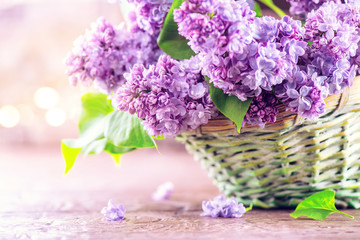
[94,147]
[158,137]
[272,6]
[126,130]
[117,158]
[249,208]
[257,9]
[318,206]
[94,105]
[169,39]
[230,106]
[103,129]
[70,154]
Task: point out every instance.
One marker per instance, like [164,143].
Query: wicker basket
[281,164]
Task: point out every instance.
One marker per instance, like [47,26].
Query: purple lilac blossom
[106,52]
[113,212]
[335,28]
[170,96]
[241,54]
[222,207]
[149,15]
[305,100]
[262,110]
[163,191]
[301,8]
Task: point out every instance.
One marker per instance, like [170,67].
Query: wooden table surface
[38,201]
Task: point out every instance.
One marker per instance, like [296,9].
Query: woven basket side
[274,167]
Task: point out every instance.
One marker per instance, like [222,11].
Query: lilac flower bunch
[105,52]
[270,61]
[170,96]
[301,8]
[241,54]
[220,206]
[149,15]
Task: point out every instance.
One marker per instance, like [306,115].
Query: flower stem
[272,6]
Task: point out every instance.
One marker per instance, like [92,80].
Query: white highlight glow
[55,117]
[46,97]
[9,116]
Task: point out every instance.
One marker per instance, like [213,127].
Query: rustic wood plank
[38,202]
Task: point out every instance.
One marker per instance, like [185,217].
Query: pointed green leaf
[230,106]
[249,208]
[94,147]
[112,149]
[258,11]
[318,206]
[94,105]
[70,155]
[169,39]
[117,158]
[126,130]
[272,6]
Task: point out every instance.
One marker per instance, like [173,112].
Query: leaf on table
[318,206]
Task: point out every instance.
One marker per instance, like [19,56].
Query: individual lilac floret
[262,110]
[170,96]
[222,207]
[106,52]
[163,191]
[113,212]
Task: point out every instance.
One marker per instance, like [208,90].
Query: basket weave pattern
[288,160]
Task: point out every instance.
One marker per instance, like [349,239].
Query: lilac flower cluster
[171,96]
[329,65]
[301,8]
[106,52]
[266,59]
[334,28]
[113,212]
[222,207]
[262,110]
[149,15]
[241,54]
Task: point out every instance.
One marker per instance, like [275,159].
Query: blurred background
[37,104]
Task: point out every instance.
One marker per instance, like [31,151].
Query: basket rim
[335,105]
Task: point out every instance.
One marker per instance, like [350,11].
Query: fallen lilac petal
[163,191]
[220,206]
[113,212]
